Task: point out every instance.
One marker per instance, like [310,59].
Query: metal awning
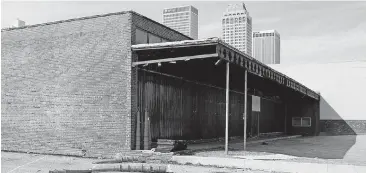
[214,47]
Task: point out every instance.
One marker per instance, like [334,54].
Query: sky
[311,31]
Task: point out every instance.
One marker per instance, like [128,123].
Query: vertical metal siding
[187,110]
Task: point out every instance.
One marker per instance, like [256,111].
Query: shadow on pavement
[325,147]
[332,123]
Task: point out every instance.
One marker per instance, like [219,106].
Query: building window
[301,121]
[306,122]
[140,37]
[143,37]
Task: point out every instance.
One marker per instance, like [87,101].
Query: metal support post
[245,108]
[227,110]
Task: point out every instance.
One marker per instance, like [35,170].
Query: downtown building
[183,19]
[266,46]
[237,28]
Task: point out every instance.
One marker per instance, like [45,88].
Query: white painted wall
[341,85]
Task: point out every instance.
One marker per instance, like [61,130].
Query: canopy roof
[214,47]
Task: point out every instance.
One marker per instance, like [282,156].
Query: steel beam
[174,59]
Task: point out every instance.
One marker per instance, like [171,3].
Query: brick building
[69,87]
[66,85]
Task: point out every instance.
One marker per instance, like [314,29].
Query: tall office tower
[266,46]
[183,19]
[237,28]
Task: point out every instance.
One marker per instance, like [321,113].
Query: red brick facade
[68,86]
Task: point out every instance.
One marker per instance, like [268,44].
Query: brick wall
[343,127]
[66,86]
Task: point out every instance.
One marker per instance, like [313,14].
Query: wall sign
[256,103]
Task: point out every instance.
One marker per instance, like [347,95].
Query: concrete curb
[131,167]
[280,166]
[71,171]
[121,160]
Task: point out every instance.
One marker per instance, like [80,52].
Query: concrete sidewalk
[268,165]
[37,163]
[23,163]
[358,151]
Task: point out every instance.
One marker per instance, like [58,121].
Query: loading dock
[182,87]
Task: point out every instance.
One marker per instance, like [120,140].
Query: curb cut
[191,151]
[274,139]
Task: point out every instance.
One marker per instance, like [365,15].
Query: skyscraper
[183,19]
[237,28]
[266,46]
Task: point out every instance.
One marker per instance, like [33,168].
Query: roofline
[67,20]
[133,12]
[267,31]
[180,6]
[91,17]
[264,65]
[236,4]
